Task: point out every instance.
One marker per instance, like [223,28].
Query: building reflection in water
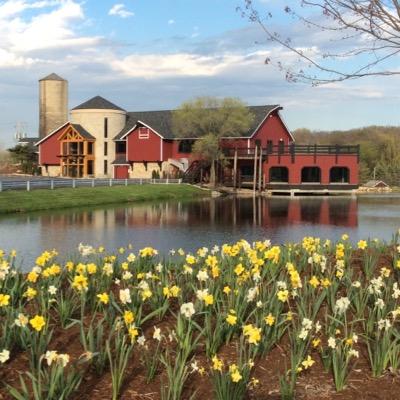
[228,211]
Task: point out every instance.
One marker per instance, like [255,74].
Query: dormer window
[144,133]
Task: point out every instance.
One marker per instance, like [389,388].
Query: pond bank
[13,201]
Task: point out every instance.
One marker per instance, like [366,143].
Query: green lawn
[35,200]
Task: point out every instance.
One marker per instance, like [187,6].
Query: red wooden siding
[324,162]
[139,150]
[271,129]
[49,150]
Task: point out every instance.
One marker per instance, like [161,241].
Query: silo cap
[52,77]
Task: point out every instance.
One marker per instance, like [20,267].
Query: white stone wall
[51,171]
[139,170]
[93,122]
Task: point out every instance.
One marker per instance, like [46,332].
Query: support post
[73,183]
[52,184]
[1,186]
[255,169]
[28,185]
[92,182]
[126,182]
[260,172]
[235,169]
[110,183]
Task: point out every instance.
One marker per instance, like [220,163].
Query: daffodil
[235,374]
[129,318]
[37,322]
[231,319]
[283,295]
[269,319]
[217,364]
[103,298]
[308,362]
[4,300]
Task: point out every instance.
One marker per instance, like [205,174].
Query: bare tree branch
[369,31]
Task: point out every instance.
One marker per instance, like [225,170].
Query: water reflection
[167,225]
[229,211]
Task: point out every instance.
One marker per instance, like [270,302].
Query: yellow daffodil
[217,364]
[37,322]
[314,282]
[103,298]
[129,318]
[4,300]
[269,319]
[308,362]
[231,319]
[283,295]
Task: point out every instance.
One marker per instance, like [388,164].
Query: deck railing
[294,149]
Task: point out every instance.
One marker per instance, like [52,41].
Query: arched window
[339,175]
[185,146]
[311,175]
[279,174]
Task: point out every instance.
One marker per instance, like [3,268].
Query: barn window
[105,128]
[339,175]
[144,133]
[311,175]
[185,146]
[279,174]
[281,146]
[120,147]
[90,169]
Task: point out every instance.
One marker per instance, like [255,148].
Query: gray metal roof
[161,121]
[98,103]
[52,77]
[83,132]
[120,161]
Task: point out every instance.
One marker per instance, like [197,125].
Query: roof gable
[98,103]
[52,133]
[83,133]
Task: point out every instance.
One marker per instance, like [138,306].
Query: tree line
[379,149]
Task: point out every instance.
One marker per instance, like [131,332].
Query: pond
[191,224]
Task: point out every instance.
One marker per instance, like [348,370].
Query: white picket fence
[32,184]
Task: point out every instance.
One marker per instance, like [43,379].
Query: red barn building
[103,140]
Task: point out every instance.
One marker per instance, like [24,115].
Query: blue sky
[147,55]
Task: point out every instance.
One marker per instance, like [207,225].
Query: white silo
[103,120]
[53,103]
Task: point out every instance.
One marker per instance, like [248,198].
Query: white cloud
[39,37]
[171,22]
[26,41]
[158,66]
[120,11]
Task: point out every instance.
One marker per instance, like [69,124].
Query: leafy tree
[26,157]
[209,119]
[365,37]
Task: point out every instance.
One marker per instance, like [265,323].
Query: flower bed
[314,320]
